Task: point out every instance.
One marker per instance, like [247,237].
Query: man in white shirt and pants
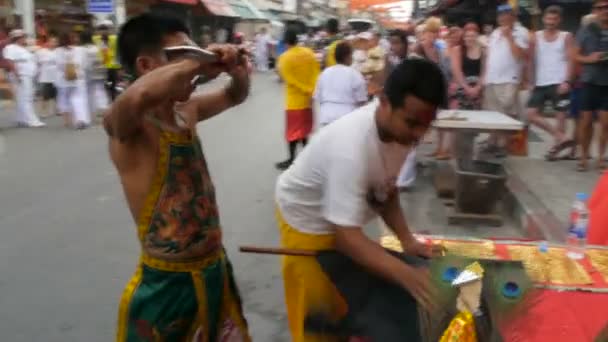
[263,43]
[340,88]
[505,57]
[22,78]
[343,179]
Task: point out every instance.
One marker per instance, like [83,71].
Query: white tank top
[551,59]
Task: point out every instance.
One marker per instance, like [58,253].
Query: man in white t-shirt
[22,78]
[47,76]
[263,43]
[550,60]
[344,178]
[340,88]
[505,56]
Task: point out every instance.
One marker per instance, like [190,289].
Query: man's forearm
[393,217]
[517,51]
[211,104]
[238,90]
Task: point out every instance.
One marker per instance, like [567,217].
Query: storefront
[251,19]
[214,20]
[56,17]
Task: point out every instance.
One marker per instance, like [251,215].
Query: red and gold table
[573,295]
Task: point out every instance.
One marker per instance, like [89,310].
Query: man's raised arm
[171,82]
[208,105]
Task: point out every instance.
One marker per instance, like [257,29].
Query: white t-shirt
[339,90]
[24,60]
[359,59]
[94,68]
[342,167]
[551,59]
[502,67]
[48,65]
[73,54]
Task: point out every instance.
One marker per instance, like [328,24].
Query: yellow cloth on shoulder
[461,329]
[299,68]
[108,54]
[307,288]
[330,57]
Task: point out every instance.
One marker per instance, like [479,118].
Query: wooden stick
[277,251]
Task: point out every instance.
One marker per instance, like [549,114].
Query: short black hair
[290,37]
[145,32]
[417,77]
[401,34]
[554,9]
[64,39]
[343,52]
[86,37]
[332,26]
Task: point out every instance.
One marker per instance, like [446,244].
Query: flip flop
[582,168]
[556,149]
[569,157]
[443,157]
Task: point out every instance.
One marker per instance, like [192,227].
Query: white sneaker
[37,124]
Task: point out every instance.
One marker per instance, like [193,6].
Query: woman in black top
[465,56]
[466,62]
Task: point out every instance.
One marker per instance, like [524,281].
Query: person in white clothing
[552,65]
[95,74]
[343,179]
[71,82]
[47,76]
[505,57]
[361,45]
[340,88]
[22,78]
[263,44]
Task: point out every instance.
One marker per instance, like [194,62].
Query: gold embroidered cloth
[599,261]
[553,266]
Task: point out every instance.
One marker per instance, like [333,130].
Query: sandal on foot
[552,154]
[582,167]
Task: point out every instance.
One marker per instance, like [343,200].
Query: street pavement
[68,243]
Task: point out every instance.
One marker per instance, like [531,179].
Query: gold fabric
[461,329]
[599,260]
[468,249]
[553,267]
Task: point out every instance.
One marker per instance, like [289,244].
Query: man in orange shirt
[299,70]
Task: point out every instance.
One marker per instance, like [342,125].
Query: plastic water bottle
[577,230]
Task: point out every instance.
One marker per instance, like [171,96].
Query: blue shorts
[594,97]
[575,103]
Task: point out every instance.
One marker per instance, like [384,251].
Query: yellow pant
[307,288]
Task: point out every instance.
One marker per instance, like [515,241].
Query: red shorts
[299,124]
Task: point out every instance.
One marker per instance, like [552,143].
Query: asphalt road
[68,244]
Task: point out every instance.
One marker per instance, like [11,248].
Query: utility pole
[25,8]
[120,12]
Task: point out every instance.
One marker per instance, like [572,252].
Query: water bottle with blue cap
[577,230]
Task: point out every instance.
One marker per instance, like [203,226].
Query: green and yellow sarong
[169,299]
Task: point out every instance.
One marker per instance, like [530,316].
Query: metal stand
[446,178]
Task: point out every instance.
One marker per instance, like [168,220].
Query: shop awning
[219,8]
[271,16]
[246,10]
[184,2]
